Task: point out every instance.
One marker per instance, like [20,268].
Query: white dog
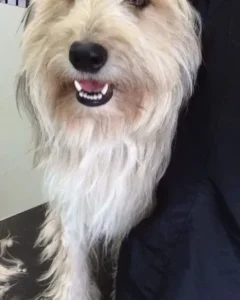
[103,82]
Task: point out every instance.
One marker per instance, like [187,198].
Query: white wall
[20,187]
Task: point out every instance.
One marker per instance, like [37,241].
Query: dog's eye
[139,3]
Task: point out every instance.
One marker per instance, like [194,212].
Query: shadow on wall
[21,3]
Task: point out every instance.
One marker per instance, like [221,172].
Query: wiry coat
[102,164]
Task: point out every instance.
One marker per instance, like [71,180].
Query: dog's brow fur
[102,164]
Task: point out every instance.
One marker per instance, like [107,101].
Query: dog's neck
[104,186]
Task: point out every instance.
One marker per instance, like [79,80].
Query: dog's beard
[98,177]
[105,188]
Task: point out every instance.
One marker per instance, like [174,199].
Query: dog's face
[107,66]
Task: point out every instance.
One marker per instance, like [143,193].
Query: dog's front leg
[81,285]
[69,273]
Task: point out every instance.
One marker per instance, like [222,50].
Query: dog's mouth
[93,93]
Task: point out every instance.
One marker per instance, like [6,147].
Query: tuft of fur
[10,268]
[102,164]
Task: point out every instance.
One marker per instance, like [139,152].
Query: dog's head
[98,69]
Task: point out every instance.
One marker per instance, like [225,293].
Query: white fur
[102,165]
[11,269]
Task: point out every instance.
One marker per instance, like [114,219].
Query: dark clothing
[189,249]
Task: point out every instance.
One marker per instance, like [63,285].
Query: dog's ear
[23,96]
[22,90]
[24,104]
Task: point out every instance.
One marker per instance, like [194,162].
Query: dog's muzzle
[90,58]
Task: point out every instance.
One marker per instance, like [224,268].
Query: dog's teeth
[105,89]
[77,85]
[91,97]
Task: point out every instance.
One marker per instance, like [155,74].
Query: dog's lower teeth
[91,97]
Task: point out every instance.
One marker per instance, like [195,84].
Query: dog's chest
[106,195]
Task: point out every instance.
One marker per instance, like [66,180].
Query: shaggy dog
[103,82]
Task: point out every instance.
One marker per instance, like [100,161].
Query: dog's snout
[87,57]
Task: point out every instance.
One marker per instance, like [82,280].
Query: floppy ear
[23,98]
[25,104]
[22,90]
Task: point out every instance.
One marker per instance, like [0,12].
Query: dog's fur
[10,268]
[102,164]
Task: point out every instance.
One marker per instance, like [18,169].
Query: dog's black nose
[88,57]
